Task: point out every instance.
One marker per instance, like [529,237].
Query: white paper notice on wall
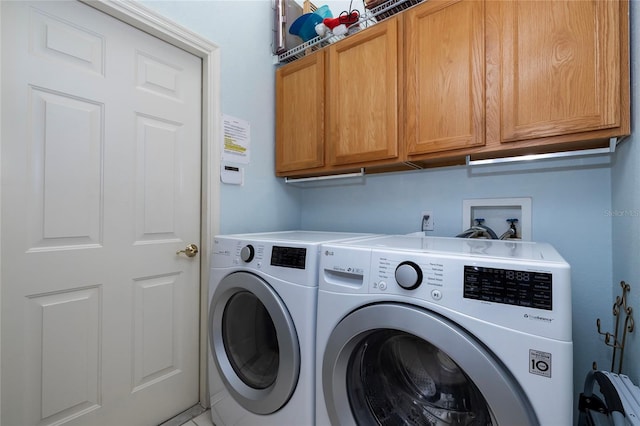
[232,175]
[236,147]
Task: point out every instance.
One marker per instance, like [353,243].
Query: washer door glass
[397,378]
[250,340]
[391,364]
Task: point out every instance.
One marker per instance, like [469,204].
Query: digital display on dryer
[289,257]
[511,287]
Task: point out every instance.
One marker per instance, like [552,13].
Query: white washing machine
[262,315]
[441,331]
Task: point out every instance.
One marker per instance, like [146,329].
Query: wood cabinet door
[300,92]
[555,68]
[444,65]
[362,102]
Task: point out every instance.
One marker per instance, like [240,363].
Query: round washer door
[253,342]
[389,364]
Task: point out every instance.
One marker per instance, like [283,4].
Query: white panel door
[101,188]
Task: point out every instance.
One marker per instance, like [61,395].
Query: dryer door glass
[250,340]
[254,343]
[397,378]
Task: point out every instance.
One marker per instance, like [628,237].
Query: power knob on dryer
[247,253]
[408,275]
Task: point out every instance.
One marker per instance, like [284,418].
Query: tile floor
[194,416]
[203,419]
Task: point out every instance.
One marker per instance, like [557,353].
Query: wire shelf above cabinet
[376,11]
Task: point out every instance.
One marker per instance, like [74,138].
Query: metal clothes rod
[328,177]
[611,149]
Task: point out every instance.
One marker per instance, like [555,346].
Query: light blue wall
[243,31]
[571,198]
[626,208]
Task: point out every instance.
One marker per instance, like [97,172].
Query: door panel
[101,188]
[158,145]
[300,108]
[55,38]
[551,82]
[363,96]
[64,347]
[444,76]
[156,322]
[66,201]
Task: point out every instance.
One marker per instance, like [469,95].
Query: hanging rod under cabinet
[328,177]
[613,142]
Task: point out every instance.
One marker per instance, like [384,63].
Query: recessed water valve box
[498,213]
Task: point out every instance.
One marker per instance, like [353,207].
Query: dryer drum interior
[250,340]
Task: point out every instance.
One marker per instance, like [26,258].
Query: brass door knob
[190,251]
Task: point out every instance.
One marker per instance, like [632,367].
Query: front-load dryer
[262,315]
[441,331]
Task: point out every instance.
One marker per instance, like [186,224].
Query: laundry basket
[608,399]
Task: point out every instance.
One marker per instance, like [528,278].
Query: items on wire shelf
[346,23]
[384,9]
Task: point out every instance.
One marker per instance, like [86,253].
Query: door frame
[147,20]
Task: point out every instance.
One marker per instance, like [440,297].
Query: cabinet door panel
[300,114]
[445,76]
[363,96]
[559,67]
